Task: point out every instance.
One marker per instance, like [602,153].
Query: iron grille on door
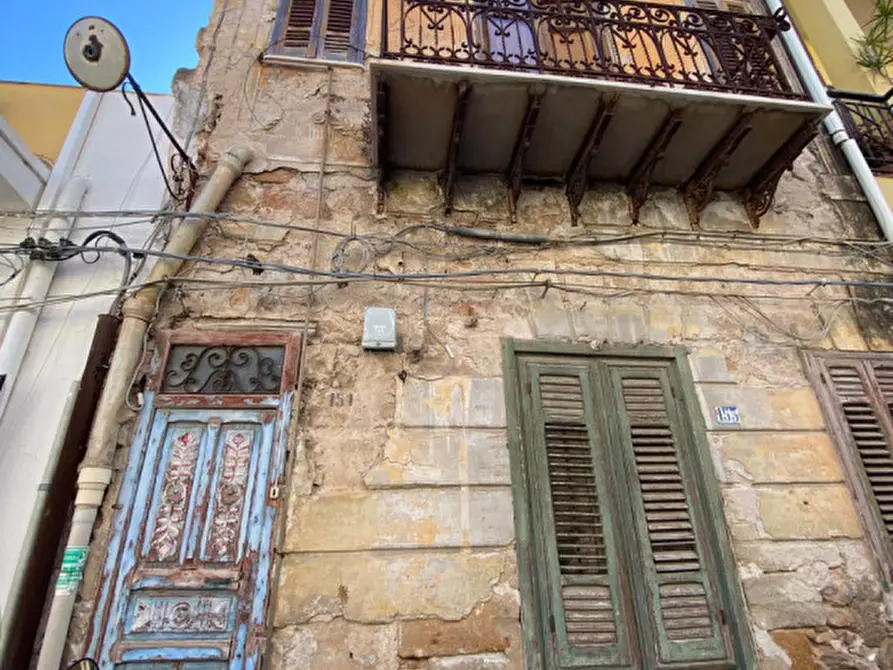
[620,524]
[856,393]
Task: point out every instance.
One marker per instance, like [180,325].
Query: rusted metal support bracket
[577,176]
[449,176]
[760,192]
[525,133]
[698,190]
[639,183]
[381,106]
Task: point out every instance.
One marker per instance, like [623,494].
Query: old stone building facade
[408,528]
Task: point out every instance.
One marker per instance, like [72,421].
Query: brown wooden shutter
[298,32]
[331,29]
[863,405]
[724,53]
[883,375]
[585,611]
[338,28]
[685,608]
[740,7]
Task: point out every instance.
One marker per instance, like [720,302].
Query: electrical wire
[375,245]
[482,272]
[176,196]
[386,244]
[647,232]
[599,291]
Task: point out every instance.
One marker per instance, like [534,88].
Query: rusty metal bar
[579,170]
[381,107]
[760,192]
[639,183]
[522,143]
[698,190]
[462,92]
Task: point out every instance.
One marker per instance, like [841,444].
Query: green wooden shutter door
[685,610]
[867,417]
[586,613]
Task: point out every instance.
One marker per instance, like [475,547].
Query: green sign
[73,561]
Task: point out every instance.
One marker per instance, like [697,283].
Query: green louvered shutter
[685,613]
[585,611]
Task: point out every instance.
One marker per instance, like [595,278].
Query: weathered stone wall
[397,547]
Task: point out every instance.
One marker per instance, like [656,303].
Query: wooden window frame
[316,51]
[707,486]
[881,542]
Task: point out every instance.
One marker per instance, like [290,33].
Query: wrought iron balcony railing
[869,120]
[650,43]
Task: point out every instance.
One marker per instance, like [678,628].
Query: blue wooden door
[190,556]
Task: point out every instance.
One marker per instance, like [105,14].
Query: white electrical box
[380,329]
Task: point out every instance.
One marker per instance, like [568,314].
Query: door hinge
[722,616]
[275,489]
[552,623]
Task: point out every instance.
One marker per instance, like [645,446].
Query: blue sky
[161,35]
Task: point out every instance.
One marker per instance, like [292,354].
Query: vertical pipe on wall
[34,292]
[817,91]
[96,471]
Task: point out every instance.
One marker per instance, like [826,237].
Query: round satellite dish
[96,54]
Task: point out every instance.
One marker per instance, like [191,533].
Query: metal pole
[170,136]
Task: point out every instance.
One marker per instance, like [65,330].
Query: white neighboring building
[108,153]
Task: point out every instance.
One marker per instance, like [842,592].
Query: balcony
[869,120]
[590,90]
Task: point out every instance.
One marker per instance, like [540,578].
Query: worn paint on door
[187,574]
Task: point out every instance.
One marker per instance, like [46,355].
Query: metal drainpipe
[37,286]
[96,468]
[817,91]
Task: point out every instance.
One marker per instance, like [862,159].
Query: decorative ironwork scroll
[656,44]
[242,369]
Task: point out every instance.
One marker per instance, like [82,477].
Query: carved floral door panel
[186,582]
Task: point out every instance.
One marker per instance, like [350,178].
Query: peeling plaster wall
[398,543]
